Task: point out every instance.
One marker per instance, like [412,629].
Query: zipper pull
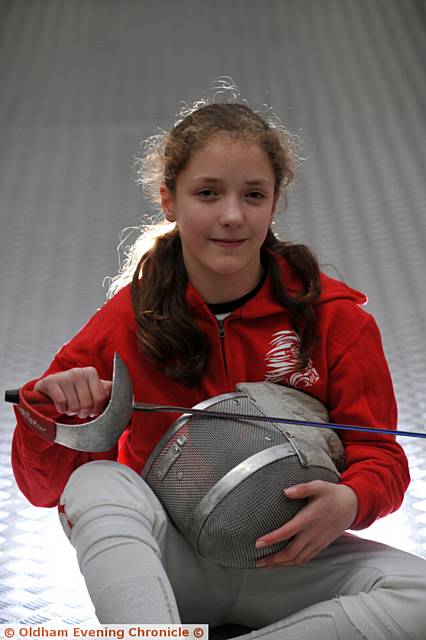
[221,328]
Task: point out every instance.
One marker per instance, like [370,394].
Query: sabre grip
[11,395]
[32,397]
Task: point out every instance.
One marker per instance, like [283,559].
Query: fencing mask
[221,480]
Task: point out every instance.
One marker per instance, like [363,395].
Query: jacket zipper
[222,335]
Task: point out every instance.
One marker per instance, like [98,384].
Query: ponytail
[166,333]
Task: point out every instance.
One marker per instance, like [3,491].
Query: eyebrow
[252,183]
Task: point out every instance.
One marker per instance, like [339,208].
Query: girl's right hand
[76,392]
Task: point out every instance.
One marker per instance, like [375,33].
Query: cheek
[193,229]
[196,220]
[262,222]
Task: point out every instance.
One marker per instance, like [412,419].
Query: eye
[256,195]
[207,193]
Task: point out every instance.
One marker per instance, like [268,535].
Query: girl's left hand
[331,509]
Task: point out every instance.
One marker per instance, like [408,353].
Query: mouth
[224,242]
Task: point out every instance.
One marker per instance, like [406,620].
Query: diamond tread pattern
[83,82]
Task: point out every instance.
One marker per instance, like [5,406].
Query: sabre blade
[142,406]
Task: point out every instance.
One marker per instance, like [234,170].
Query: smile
[228,243]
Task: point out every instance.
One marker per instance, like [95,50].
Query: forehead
[222,158]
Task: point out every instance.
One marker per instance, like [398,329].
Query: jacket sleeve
[361,393]
[42,468]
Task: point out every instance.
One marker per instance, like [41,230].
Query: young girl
[208,304]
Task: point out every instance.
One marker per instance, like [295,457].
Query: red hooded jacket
[348,373]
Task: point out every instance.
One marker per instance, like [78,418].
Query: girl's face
[223,205]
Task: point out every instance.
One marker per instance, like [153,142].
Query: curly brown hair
[164,156]
[166,333]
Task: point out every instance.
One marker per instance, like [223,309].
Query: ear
[167,203]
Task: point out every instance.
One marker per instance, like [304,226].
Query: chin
[229,268]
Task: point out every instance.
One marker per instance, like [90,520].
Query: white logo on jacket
[283,358]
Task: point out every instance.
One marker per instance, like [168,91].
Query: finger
[72,385]
[286,557]
[292,527]
[300,491]
[100,391]
[50,387]
[107,385]
[82,384]
[310,552]
[303,556]
[287,531]
[309,555]
[61,389]
[71,399]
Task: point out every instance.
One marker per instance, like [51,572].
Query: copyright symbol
[198,632]
[9,632]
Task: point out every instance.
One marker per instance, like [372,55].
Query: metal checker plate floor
[84,82]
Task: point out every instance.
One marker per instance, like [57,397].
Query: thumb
[299,491]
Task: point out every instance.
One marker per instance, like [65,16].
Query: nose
[231,214]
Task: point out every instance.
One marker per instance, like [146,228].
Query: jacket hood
[333,289]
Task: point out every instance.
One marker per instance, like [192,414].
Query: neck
[226,288]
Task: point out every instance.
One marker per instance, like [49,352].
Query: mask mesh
[198,452]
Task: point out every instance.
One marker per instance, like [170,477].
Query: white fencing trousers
[139,569]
